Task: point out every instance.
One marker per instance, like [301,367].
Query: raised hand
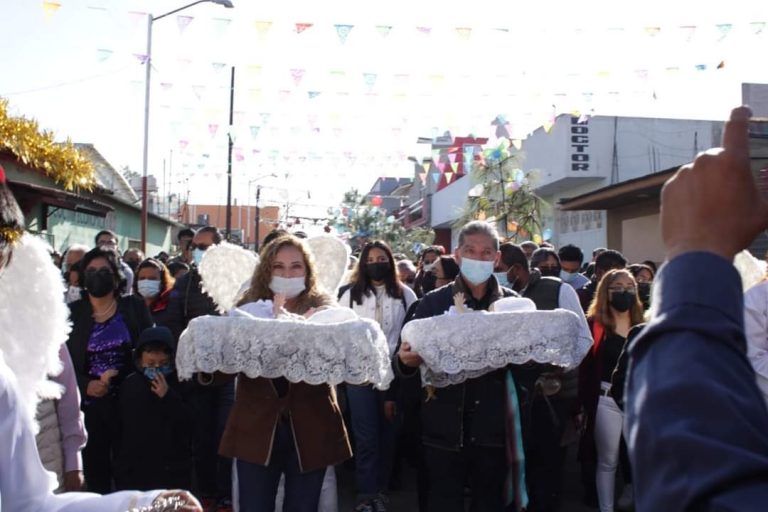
[714,204]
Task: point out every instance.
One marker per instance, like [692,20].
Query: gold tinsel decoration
[10,235]
[60,161]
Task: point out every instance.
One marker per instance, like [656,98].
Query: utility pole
[258,217]
[229,154]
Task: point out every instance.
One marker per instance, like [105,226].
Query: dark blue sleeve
[697,425]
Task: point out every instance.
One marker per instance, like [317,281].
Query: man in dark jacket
[463,427]
[155,420]
[211,404]
[548,396]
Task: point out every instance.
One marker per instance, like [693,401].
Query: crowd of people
[146,430]
[125,422]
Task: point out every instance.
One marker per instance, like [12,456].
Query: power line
[64,84]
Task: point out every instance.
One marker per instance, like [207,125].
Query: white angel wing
[34,320]
[225,269]
[331,257]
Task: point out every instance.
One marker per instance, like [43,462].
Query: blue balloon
[547,234]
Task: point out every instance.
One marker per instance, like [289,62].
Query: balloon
[547,234]
[376,200]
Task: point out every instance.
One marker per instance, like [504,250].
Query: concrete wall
[449,203]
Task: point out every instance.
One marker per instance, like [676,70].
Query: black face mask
[133,264]
[99,283]
[379,271]
[550,271]
[429,282]
[644,292]
[622,301]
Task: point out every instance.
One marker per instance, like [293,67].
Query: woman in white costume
[29,350]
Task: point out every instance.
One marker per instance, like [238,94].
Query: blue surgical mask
[501,277]
[148,287]
[567,277]
[151,373]
[197,256]
[476,271]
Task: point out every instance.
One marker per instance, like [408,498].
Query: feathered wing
[226,270]
[751,269]
[34,320]
[331,258]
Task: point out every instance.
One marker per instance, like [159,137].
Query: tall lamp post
[258,210]
[148,65]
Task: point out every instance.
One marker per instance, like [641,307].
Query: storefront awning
[58,198]
[620,194]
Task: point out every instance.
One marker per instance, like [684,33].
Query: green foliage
[502,193]
[361,222]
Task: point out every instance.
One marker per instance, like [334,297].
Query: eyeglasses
[202,247]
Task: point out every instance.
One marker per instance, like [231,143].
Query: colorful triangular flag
[255,131]
[220,25]
[448,177]
[313,94]
[301,27]
[464,33]
[103,54]
[50,8]
[262,27]
[343,31]
[297,74]
[183,22]
[424,30]
[383,30]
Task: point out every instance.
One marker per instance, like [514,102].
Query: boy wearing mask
[155,438]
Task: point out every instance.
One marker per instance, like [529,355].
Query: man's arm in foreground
[697,425]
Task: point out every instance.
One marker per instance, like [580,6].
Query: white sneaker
[627,499]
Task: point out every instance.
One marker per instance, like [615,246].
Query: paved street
[405,500]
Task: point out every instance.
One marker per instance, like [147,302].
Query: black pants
[102,436]
[483,469]
[213,474]
[544,456]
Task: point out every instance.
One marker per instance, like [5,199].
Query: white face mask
[429,266]
[148,287]
[73,293]
[288,286]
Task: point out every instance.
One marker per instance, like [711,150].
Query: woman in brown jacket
[278,427]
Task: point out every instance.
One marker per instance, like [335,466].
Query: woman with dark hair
[615,317]
[644,275]
[376,293]
[277,427]
[154,283]
[105,328]
[446,270]
[425,266]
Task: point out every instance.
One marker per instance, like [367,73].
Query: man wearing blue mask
[463,426]
[571,259]
[211,403]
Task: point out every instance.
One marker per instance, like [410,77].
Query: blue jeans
[257,484]
[374,440]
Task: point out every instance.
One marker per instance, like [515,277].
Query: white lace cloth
[460,347]
[328,348]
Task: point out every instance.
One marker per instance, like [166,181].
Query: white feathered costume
[33,325]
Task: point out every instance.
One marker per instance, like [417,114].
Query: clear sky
[332,94]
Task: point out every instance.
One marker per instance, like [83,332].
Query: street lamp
[258,210]
[148,64]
